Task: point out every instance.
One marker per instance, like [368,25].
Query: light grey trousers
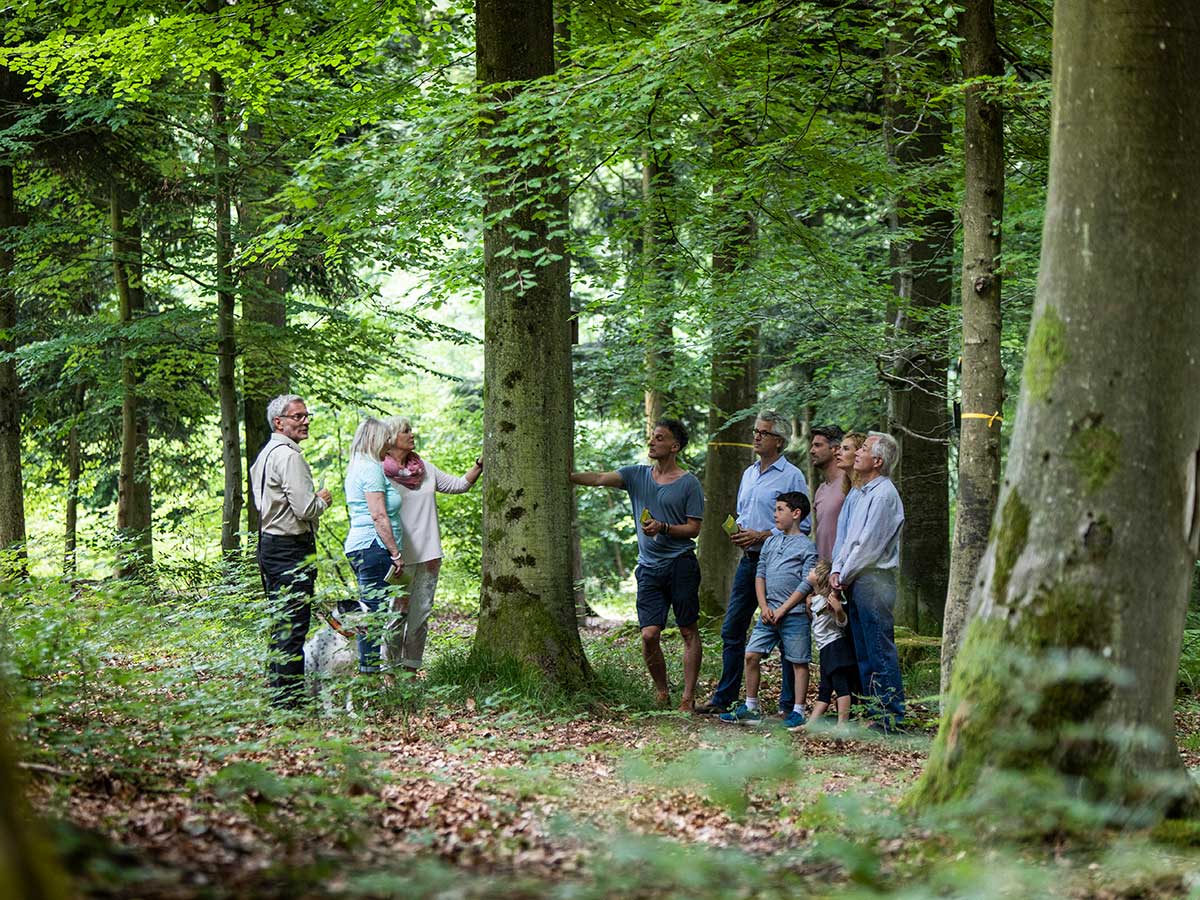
[406,642]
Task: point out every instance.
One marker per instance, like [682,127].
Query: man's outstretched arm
[598,479]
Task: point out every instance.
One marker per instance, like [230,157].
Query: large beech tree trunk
[265,372]
[982,381]
[133,480]
[733,387]
[917,406]
[231,451]
[12,494]
[658,289]
[1093,546]
[526,605]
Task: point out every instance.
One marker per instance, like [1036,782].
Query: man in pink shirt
[828,499]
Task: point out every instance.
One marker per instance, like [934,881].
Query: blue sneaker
[793,720]
[743,715]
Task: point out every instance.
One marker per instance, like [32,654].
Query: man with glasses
[288,509]
[762,482]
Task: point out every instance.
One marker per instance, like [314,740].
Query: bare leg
[753,673]
[801,670]
[819,708]
[655,664]
[692,648]
[843,708]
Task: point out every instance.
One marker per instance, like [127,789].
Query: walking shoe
[743,715]
[793,720]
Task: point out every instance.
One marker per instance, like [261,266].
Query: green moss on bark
[1095,452]
[1047,353]
[1010,543]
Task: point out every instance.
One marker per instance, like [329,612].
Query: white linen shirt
[418,513]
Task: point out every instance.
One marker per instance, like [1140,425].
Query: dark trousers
[289,579]
[743,603]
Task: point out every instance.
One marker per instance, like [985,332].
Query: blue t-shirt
[364,476]
[672,503]
[785,560]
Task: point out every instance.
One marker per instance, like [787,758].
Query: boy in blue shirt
[783,619]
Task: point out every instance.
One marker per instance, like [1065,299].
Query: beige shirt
[287,500]
[418,513]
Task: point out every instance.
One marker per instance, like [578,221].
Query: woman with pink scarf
[419,482]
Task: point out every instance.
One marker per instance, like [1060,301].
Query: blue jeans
[872,603]
[371,566]
[738,614]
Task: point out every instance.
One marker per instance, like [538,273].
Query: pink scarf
[410,476]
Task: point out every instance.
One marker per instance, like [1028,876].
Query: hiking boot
[708,708]
[743,715]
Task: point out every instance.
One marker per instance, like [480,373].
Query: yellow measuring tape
[991,420]
[728,444]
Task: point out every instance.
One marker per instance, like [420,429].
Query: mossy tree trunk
[982,382]
[733,388]
[133,479]
[231,451]
[526,605]
[27,867]
[658,282]
[12,492]
[1093,546]
[917,404]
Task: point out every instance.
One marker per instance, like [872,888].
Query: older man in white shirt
[289,507]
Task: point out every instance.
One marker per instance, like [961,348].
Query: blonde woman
[851,441]
[373,541]
[419,481]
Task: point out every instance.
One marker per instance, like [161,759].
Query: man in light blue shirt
[764,480]
[865,568]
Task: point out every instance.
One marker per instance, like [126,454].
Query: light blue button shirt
[873,533]
[758,490]
[843,522]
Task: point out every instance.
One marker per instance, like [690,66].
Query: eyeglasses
[299,417]
[758,432]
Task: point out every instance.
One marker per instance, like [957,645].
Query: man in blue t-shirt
[668,505]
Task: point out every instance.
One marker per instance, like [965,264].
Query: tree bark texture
[133,479]
[527,607]
[733,388]
[265,366]
[1092,549]
[917,405]
[231,451]
[982,381]
[12,492]
[658,284]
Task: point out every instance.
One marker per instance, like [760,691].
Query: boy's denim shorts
[792,633]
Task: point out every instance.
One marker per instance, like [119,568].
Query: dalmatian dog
[331,656]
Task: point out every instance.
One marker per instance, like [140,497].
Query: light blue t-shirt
[672,503]
[364,476]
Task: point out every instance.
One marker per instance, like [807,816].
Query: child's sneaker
[743,715]
[793,720]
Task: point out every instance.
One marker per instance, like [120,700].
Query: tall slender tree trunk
[12,492]
[526,605]
[917,403]
[74,470]
[982,382]
[231,451]
[133,479]
[733,388]
[658,290]
[265,364]
[1071,654]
